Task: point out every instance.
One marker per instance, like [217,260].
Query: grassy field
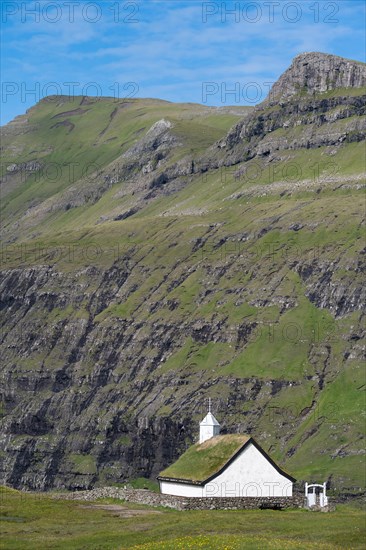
[36,521]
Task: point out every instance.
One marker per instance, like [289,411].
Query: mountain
[155,254]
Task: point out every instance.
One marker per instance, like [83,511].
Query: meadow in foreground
[37,521]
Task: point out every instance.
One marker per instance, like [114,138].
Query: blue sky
[167,49]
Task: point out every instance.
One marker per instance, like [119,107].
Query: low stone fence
[143,496]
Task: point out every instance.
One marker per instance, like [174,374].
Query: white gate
[316,495]
[311,496]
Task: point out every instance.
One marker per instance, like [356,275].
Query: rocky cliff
[192,260]
[316,72]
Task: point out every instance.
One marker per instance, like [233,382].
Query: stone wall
[142,496]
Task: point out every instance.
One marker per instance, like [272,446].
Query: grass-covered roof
[201,461]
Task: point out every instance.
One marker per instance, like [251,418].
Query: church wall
[142,496]
[249,475]
[180,489]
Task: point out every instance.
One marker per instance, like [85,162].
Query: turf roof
[201,461]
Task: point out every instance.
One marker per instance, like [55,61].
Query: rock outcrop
[314,72]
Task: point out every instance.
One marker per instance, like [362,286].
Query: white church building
[231,465]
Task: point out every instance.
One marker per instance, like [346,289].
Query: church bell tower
[209,427]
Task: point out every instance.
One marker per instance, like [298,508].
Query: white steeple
[209,427]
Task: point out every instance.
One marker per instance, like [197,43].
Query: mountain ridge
[212,254]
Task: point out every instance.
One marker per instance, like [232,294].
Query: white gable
[251,474]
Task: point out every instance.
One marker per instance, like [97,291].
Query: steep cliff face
[299,123]
[311,105]
[195,261]
[315,72]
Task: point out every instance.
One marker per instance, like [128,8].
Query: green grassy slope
[242,288]
[75,137]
